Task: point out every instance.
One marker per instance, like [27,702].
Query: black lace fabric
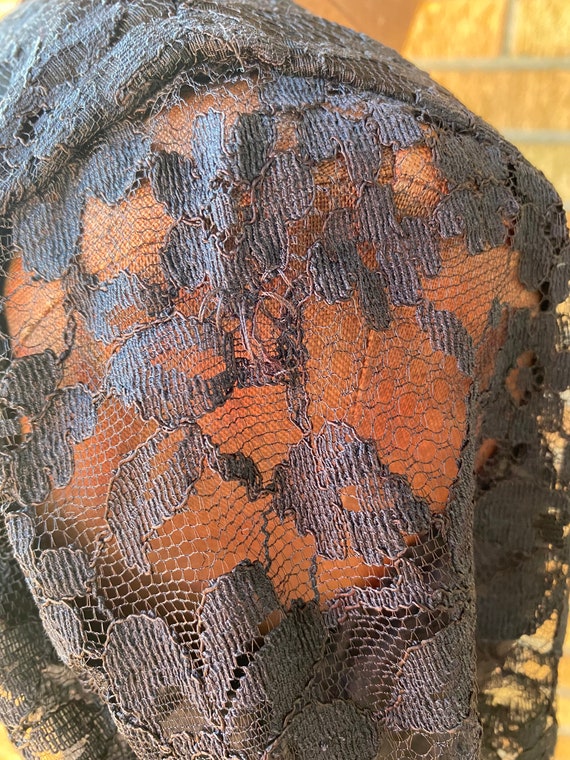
[284,462]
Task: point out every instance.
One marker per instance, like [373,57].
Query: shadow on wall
[386,20]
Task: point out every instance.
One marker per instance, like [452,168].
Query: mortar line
[500,63]
[509,29]
[542,136]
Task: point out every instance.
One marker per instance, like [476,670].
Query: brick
[564,674]
[563,709]
[7,751]
[553,159]
[513,99]
[542,28]
[457,29]
[562,748]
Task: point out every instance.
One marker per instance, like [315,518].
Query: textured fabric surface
[284,463]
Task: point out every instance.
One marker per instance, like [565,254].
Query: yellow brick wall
[509,61]
[7,752]
[563,746]
[541,28]
[447,30]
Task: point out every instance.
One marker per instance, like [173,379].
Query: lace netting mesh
[284,345]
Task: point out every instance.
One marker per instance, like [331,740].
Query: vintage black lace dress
[283,390]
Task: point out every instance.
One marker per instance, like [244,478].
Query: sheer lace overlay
[284,462]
